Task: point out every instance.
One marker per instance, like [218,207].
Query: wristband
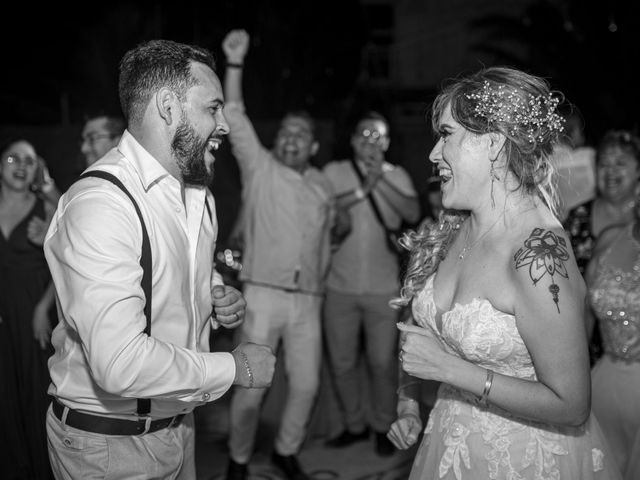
[247,367]
[234,65]
[487,387]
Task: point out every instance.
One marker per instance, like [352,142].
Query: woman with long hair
[497,299]
[26,304]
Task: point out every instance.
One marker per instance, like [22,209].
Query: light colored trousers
[166,454]
[275,315]
[346,318]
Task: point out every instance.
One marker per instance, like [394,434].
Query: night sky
[61,62]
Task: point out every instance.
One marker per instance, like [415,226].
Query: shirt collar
[148,169]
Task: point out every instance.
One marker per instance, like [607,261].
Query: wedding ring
[237,316]
[400,355]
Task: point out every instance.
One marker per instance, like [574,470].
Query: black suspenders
[144,404]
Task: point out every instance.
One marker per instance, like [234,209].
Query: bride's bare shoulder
[543,252]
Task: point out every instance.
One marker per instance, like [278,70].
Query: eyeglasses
[18,160]
[372,136]
[94,137]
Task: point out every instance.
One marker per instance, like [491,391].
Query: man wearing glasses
[99,135]
[363,277]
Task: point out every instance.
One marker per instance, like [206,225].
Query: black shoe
[347,438]
[289,466]
[237,471]
[384,447]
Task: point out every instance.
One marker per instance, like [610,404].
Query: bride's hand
[421,354]
[404,432]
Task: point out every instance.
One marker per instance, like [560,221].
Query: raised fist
[235,45]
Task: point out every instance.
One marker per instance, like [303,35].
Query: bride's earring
[494,176]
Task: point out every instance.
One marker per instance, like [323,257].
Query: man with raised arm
[287,215]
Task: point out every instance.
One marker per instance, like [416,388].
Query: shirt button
[178,210]
[67,442]
[206,397]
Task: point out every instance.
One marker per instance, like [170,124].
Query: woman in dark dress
[26,301]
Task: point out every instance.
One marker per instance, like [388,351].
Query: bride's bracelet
[410,414]
[408,406]
[487,387]
[404,398]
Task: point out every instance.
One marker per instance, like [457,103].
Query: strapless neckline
[440,315]
[476,331]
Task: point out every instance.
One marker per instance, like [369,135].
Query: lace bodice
[467,440]
[615,300]
[477,332]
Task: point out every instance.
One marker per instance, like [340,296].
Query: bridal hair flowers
[536,115]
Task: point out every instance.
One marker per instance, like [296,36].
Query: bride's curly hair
[428,245]
[521,107]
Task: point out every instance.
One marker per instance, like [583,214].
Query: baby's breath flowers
[536,115]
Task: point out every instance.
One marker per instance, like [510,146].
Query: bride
[497,299]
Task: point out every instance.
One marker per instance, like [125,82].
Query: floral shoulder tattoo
[545,253]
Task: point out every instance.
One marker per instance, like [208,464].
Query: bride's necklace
[466,247]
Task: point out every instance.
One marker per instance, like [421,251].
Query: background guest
[575,163]
[362,279]
[26,300]
[613,278]
[100,134]
[616,177]
[285,222]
